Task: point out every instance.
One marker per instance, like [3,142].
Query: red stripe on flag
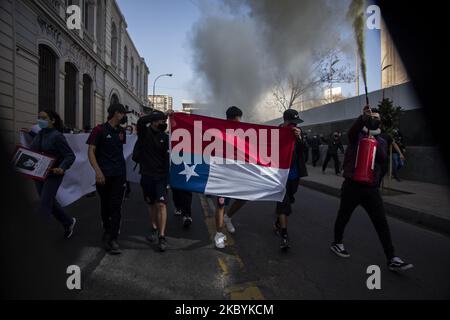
[251,143]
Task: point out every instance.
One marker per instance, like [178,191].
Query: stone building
[76,72]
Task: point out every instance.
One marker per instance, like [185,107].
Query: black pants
[354,194]
[285,206]
[183,201]
[337,165]
[315,156]
[306,154]
[48,205]
[111,198]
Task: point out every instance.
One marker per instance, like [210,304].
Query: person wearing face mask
[355,193]
[105,154]
[152,153]
[334,144]
[50,140]
[298,170]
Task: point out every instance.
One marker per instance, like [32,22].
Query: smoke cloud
[238,52]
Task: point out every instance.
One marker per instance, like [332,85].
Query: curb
[418,218]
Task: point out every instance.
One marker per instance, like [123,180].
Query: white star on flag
[189,171]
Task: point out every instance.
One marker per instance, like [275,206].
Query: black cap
[292,116]
[156,115]
[117,107]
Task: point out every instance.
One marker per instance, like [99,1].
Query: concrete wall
[424,161]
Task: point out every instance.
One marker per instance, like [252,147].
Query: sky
[161,29]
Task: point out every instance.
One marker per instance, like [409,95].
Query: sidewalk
[421,203]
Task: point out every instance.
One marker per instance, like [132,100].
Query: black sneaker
[153,235]
[114,245]
[106,239]
[284,244]
[162,245]
[69,230]
[397,264]
[187,221]
[338,249]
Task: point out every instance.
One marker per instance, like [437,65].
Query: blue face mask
[42,123]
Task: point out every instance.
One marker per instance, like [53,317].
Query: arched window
[47,78]
[70,96]
[132,73]
[125,62]
[113,44]
[114,99]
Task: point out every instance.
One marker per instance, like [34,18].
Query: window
[70,95]
[125,62]
[137,80]
[113,44]
[132,73]
[47,78]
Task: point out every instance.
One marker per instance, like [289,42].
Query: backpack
[141,128]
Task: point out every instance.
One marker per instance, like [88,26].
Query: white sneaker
[219,239]
[177,212]
[228,224]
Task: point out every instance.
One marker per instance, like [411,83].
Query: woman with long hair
[52,142]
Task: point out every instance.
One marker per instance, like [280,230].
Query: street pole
[154,83]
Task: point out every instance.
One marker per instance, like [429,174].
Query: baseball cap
[117,107]
[292,116]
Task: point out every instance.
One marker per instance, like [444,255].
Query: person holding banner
[151,151]
[298,169]
[50,141]
[361,186]
[106,157]
[233,113]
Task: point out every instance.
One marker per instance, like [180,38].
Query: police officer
[105,154]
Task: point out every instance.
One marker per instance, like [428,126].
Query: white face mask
[372,132]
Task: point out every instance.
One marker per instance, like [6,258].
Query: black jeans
[335,158]
[111,198]
[315,156]
[354,194]
[285,206]
[183,201]
[48,205]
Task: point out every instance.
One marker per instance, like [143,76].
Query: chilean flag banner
[229,159]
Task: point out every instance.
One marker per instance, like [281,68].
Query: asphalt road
[252,266]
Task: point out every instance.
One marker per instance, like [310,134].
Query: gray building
[78,72]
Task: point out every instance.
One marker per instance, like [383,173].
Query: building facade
[78,73]
[161,102]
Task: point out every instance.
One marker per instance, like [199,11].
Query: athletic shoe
[162,244]
[284,244]
[219,239]
[397,264]
[153,235]
[187,221]
[114,247]
[177,212]
[69,230]
[228,224]
[338,249]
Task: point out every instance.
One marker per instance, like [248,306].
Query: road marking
[243,291]
[246,291]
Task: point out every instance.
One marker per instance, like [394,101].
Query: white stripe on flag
[246,181]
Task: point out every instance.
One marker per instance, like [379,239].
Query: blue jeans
[397,163]
[48,205]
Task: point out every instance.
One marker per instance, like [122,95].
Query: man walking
[354,193]
[332,153]
[105,154]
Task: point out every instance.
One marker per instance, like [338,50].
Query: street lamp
[154,83]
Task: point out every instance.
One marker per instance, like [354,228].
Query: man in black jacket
[151,151]
[298,169]
[334,143]
[354,193]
